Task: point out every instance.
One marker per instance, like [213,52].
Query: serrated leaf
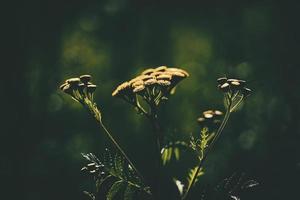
[192,174]
[115,188]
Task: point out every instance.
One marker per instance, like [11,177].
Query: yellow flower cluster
[162,77]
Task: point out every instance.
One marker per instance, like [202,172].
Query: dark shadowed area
[46,42]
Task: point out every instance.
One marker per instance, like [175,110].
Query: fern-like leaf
[116,174]
[192,173]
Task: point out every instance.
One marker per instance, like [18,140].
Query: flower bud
[91,88]
[62,86]
[85,78]
[222,80]
[217,112]
[67,89]
[81,87]
[224,87]
[73,81]
[208,114]
[200,120]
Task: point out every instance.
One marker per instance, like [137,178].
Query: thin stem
[219,131]
[97,115]
[120,149]
[237,104]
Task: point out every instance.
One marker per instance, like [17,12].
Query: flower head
[79,88]
[210,118]
[233,86]
[153,85]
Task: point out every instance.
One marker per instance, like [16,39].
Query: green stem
[120,149]
[219,131]
[237,104]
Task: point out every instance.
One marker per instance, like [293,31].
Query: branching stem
[211,145]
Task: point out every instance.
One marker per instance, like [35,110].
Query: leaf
[179,185]
[115,188]
[192,174]
[172,150]
[177,153]
[115,175]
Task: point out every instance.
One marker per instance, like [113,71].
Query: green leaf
[172,150]
[177,153]
[115,188]
[192,174]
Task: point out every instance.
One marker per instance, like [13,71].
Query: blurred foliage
[49,41]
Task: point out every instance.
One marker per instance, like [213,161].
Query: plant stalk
[219,131]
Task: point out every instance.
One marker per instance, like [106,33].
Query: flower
[79,88]
[210,118]
[233,86]
[153,85]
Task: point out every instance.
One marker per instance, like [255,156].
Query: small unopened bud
[217,112]
[73,81]
[85,78]
[62,85]
[91,88]
[67,89]
[235,83]
[222,80]
[208,115]
[81,86]
[200,119]
[224,87]
[91,164]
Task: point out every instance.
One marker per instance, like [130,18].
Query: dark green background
[45,42]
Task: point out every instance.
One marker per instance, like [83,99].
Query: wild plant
[116,176]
